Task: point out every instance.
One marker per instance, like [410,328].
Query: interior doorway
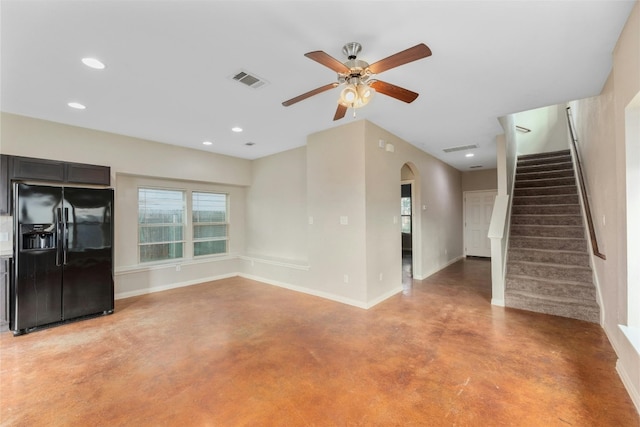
[478,206]
[406,221]
[409,226]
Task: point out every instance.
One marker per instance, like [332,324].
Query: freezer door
[36,291]
[88,259]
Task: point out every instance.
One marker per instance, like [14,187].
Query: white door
[478,206]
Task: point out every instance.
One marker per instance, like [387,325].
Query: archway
[409,223]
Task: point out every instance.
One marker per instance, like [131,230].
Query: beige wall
[277,207]
[600,125]
[177,167]
[480,180]
[348,175]
[24,136]
[285,211]
[549,130]
[336,189]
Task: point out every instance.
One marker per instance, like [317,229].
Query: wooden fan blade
[409,55]
[328,61]
[394,91]
[309,94]
[340,112]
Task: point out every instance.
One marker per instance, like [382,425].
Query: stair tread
[548,237]
[550,281]
[547,264]
[556,299]
[547,225]
[546,215]
[555,251]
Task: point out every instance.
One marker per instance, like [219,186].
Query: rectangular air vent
[475,167]
[249,79]
[460,148]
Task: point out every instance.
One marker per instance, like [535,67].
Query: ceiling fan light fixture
[365,93]
[349,95]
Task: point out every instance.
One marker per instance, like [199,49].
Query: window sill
[633,335]
[172,263]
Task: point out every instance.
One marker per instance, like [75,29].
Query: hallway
[240,353]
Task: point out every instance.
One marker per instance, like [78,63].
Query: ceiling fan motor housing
[351,50]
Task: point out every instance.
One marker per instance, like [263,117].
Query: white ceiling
[169,63]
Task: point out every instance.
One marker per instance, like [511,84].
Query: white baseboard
[121,295]
[384,296]
[435,270]
[497,302]
[628,384]
[308,291]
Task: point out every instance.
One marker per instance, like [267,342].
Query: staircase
[548,269]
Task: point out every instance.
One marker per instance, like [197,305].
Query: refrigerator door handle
[58,220]
[65,246]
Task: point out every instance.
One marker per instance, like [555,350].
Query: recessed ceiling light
[93,63]
[469,155]
[236,129]
[76,105]
[207,142]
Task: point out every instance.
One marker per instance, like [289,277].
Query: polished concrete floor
[239,353]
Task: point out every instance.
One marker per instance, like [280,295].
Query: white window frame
[193,224]
[184,240]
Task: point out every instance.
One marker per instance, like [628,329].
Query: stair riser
[529,176]
[550,257]
[544,160]
[545,167]
[549,244]
[548,154]
[546,191]
[543,182]
[546,210]
[550,272]
[546,220]
[589,314]
[542,231]
[546,200]
[551,289]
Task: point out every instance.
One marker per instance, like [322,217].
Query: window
[405,212]
[161,215]
[210,227]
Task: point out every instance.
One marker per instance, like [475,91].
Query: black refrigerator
[63,255]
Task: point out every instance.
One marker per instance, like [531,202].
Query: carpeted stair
[548,268]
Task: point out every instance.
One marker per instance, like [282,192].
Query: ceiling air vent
[475,167]
[249,79]
[460,148]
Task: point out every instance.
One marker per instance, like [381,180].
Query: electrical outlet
[346,278]
[4,237]
[381,277]
[178,267]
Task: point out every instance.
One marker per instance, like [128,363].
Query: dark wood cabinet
[38,169]
[5,193]
[5,271]
[28,168]
[79,173]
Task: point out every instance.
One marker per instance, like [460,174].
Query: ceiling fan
[356,77]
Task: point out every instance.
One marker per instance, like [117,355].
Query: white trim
[384,296]
[173,263]
[153,289]
[632,335]
[494,192]
[295,265]
[628,384]
[307,291]
[435,270]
